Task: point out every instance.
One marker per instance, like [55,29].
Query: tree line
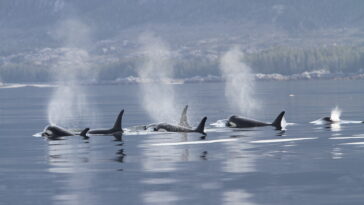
[288,60]
[281,60]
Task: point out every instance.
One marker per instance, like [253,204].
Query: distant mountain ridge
[198,31]
[114,15]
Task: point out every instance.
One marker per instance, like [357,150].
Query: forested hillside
[282,36]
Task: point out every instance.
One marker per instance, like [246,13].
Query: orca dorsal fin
[200,128]
[84,132]
[278,121]
[183,120]
[117,125]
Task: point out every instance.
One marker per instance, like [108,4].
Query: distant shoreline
[194,80]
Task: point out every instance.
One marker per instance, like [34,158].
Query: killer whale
[240,122]
[183,125]
[333,118]
[178,128]
[56,131]
[183,122]
[115,130]
[329,120]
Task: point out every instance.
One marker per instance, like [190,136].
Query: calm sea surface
[306,164]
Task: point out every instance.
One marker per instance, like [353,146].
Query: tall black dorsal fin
[84,132]
[117,125]
[200,128]
[278,121]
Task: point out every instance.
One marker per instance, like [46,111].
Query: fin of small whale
[327,119]
[183,120]
[84,132]
[200,128]
[278,121]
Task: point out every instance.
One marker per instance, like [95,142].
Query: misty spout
[156,71]
[69,101]
[239,82]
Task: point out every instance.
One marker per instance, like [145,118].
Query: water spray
[239,82]
[69,103]
[335,114]
[155,72]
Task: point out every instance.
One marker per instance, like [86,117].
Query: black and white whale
[178,128]
[183,122]
[56,131]
[329,120]
[334,117]
[115,130]
[240,122]
[183,125]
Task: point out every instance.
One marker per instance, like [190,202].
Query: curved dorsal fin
[200,128]
[278,121]
[117,125]
[183,120]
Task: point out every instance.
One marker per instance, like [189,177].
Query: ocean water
[305,164]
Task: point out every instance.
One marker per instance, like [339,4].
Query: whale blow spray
[239,82]
[156,70]
[69,103]
[335,114]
